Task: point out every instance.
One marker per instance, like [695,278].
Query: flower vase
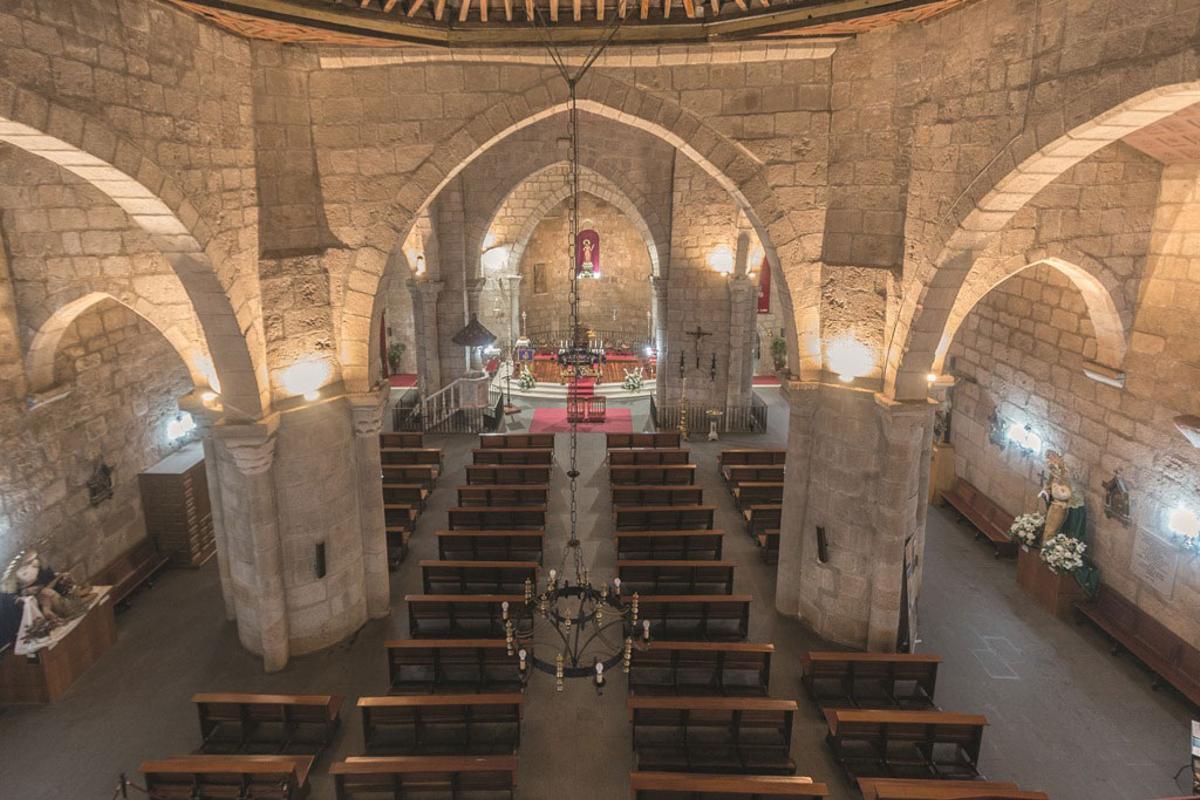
[1053,592]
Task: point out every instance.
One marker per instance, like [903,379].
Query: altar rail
[443,412]
[551,338]
[733,419]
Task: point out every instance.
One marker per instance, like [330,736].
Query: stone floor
[1066,716]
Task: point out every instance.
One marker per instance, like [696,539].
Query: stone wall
[619,300]
[123,380]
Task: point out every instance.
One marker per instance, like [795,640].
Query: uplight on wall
[1184,523]
[720,258]
[1025,438]
[849,358]
[181,426]
[305,377]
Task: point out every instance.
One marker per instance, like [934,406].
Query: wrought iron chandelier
[569,627]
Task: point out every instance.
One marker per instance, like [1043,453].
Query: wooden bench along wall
[517,494]
[647,456]
[531,457]
[657,495]
[713,734]
[413,494]
[870,680]
[905,744]
[443,777]
[676,577]
[455,666]
[697,669]
[402,439]
[765,517]
[702,617]
[273,723]
[455,616]
[657,439]
[990,520]
[516,441]
[477,577]
[509,518]
[661,475]
[445,724]
[743,457]
[260,777]
[420,474]
[136,567]
[909,789]
[484,474]
[430,456]
[736,475]
[758,493]
[664,518]
[1165,653]
[698,786]
[473,545]
[673,545]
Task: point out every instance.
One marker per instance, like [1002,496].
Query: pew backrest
[402,439]
[236,720]
[421,474]
[527,456]
[713,617]
[198,776]
[483,474]
[460,777]
[489,545]
[702,668]
[477,577]
[655,439]
[700,786]
[676,577]
[834,677]
[509,518]
[410,455]
[735,475]
[517,494]
[751,457]
[652,474]
[662,495]
[516,441]
[679,545]
[429,666]
[434,724]
[450,616]
[647,456]
[664,518]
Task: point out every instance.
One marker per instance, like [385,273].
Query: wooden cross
[697,335]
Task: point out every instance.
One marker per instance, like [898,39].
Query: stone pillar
[474,289]
[425,323]
[742,296]
[858,468]
[367,413]
[205,419]
[246,454]
[659,284]
[514,308]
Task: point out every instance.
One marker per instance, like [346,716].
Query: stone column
[659,307]
[205,419]
[858,467]
[742,296]
[474,289]
[514,307]
[367,413]
[245,454]
[425,323]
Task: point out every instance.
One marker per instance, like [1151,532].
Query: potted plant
[779,353]
[526,381]
[633,380]
[394,354]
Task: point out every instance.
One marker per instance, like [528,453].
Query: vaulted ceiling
[491,23]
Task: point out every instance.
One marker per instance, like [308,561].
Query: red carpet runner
[554,420]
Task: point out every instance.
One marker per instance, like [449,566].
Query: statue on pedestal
[1064,502]
[49,599]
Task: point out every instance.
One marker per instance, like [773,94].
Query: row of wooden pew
[410,470]
[755,479]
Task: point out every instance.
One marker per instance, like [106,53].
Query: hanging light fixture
[569,627]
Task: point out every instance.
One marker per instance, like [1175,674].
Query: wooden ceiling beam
[483,10]
[414,7]
[742,5]
[645,11]
[389,5]
[622,8]
[690,7]
[439,9]
[463,10]
[577,9]
[554,10]
[666,9]
[716,6]
[529,9]
[600,10]
[508,10]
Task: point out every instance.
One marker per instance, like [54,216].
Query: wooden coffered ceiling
[493,23]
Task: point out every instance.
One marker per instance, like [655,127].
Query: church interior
[727,400]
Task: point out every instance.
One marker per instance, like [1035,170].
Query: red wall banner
[764,288]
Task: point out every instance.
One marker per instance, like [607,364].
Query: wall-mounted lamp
[305,377]
[720,258]
[1025,438]
[1184,524]
[849,358]
[181,426]
[208,397]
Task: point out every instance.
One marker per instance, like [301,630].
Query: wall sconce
[305,377]
[720,258]
[849,358]
[181,426]
[1024,438]
[1184,526]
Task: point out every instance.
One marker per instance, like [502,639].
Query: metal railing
[732,419]
[443,412]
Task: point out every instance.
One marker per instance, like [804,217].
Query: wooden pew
[905,744]
[516,441]
[713,734]
[420,474]
[516,494]
[901,789]
[658,439]
[429,456]
[473,545]
[624,495]
[758,493]
[275,723]
[672,545]
[495,518]
[751,457]
[477,577]
[647,456]
[765,517]
[870,680]
[402,439]
[1171,658]
[483,474]
[735,475]
[412,494]
[431,777]
[696,669]
[990,520]
[664,518]
[455,666]
[397,542]
[444,724]
[697,617]
[136,567]
[699,786]
[203,777]
[768,542]
[458,616]
[676,577]
[514,456]
[660,474]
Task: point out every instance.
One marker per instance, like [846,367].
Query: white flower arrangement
[633,380]
[1063,554]
[526,381]
[1027,528]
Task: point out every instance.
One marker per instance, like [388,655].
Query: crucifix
[697,335]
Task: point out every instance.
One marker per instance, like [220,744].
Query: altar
[45,674]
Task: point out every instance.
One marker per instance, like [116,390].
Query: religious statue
[1061,498]
[49,599]
[587,254]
